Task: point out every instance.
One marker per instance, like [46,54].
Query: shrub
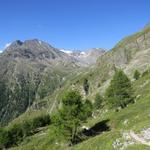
[3,137]
[98,101]
[14,135]
[136,75]
[40,121]
[17,132]
[27,127]
[146,72]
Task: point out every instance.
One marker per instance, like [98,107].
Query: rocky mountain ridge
[31,70]
[37,49]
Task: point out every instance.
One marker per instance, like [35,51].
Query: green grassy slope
[136,116]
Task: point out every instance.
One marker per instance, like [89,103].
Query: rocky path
[131,138]
[139,139]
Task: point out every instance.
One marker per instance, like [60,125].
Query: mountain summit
[32,49]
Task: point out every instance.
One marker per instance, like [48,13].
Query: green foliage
[41,121]
[48,84]
[2,93]
[3,137]
[4,98]
[16,97]
[138,147]
[98,101]
[87,108]
[136,75]
[120,91]
[27,128]
[146,72]
[86,86]
[16,133]
[70,116]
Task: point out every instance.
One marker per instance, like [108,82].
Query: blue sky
[72,24]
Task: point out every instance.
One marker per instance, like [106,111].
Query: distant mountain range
[33,69]
[87,57]
[38,49]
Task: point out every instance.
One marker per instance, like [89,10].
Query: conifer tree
[120,91]
[70,116]
[86,86]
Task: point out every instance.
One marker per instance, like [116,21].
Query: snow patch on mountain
[7,45]
[82,53]
[40,42]
[66,51]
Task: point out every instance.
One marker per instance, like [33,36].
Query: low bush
[98,101]
[16,133]
[41,121]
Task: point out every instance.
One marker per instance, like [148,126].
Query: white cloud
[1,51]
[7,45]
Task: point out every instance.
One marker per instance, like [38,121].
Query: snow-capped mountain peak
[85,57]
